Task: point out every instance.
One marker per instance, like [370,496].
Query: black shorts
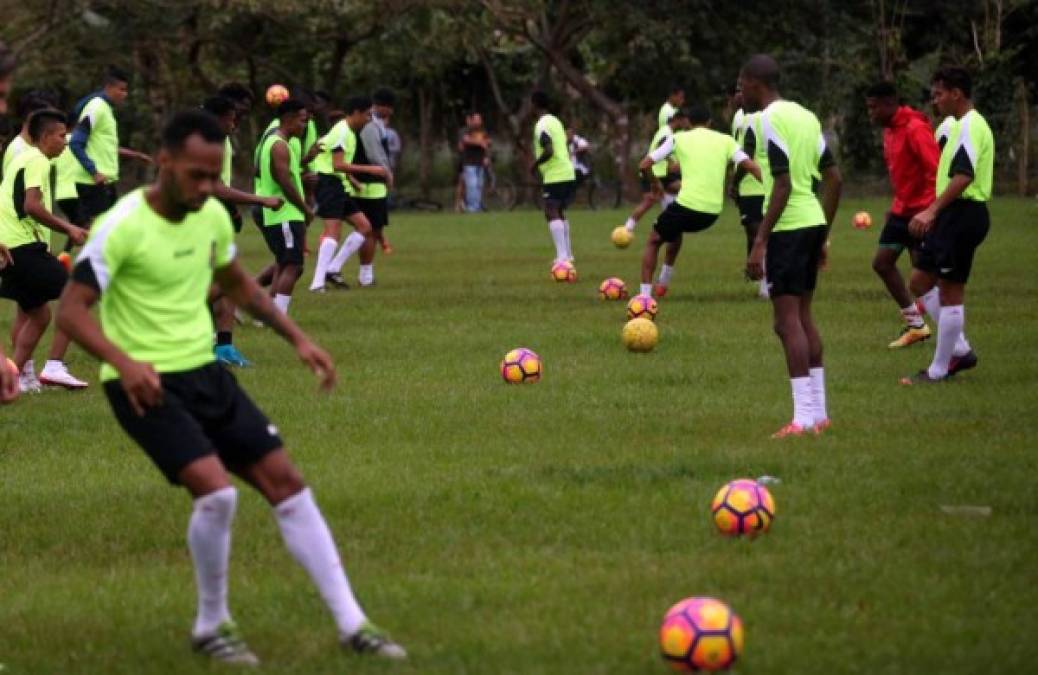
[286,241]
[234,213]
[792,259]
[35,278]
[203,412]
[677,219]
[751,210]
[558,194]
[70,207]
[332,201]
[947,250]
[895,234]
[376,210]
[93,201]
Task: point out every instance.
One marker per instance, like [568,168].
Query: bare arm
[229,194]
[342,166]
[34,207]
[924,221]
[832,186]
[748,166]
[780,192]
[279,160]
[127,153]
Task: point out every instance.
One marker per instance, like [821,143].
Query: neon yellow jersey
[227,171]
[665,113]
[792,137]
[103,143]
[66,165]
[659,169]
[16,147]
[302,147]
[154,277]
[558,169]
[749,186]
[340,138]
[969,150]
[30,169]
[703,155]
[266,186]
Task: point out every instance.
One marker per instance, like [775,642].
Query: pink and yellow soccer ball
[743,507]
[276,95]
[612,288]
[521,366]
[701,634]
[642,307]
[862,220]
[563,271]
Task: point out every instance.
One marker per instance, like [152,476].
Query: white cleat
[28,384]
[55,374]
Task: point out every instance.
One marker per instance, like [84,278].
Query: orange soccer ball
[276,95]
[862,220]
[701,634]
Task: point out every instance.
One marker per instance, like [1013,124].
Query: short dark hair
[188,123]
[355,103]
[541,99]
[8,61]
[236,91]
[42,120]
[289,106]
[34,100]
[676,88]
[764,69]
[884,90]
[322,95]
[954,77]
[219,105]
[698,113]
[115,74]
[384,96]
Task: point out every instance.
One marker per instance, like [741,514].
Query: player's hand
[5,257]
[308,215]
[319,362]
[823,257]
[646,163]
[357,185]
[8,384]
[76,234]
[922,222]
[100,178]
[142,385]
[273,203]
[755,263]
[143,157]
[389,180]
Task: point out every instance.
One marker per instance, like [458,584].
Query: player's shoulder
[976,122]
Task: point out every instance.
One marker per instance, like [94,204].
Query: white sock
[366,275]
[962,346]
[667,200]
[310,542]
[803,408]
[646,289]
[29,369]
[912,316]
[282,301]
[349,247]
[666,271]
[558,235]
[325,253]
[818,394]
[52,363]
[932,302]
[949,328]
[762,288]
[209,538]
[569,246]
[630,224]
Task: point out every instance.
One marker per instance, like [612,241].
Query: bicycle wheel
[501,197]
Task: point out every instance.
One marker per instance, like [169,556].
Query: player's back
[703,155]
[795,145]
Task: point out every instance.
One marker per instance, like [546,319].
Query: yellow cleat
[910,335]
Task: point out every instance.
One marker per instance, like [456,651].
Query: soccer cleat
[28,384]
[911,335]
[822,426]
[318,289]
[923,377]
[370,639]
[659,290]
[791,429]
[961,363]
[225,645]
[58,376]
[229,355]
[337,281]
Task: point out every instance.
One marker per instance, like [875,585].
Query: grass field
[546,528]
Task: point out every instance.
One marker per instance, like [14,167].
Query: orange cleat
[791,429]
[659,290]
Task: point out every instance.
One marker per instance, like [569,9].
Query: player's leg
[378,217]
[670,257]
[36,321]
[568,192]
[894,239]
[650,256]
[223,319]
[816,368]
[556,225]
[361,240]
[648,200]
[55,372]
[326,252]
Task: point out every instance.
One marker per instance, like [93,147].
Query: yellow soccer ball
[276,95]
[640,335]
[621,237]
[862,220]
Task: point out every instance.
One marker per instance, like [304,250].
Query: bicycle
[498,193]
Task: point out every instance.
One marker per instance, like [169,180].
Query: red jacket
[911,154]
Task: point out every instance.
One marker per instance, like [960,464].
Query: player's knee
[881,265]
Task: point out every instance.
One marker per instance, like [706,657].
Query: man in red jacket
[911,154]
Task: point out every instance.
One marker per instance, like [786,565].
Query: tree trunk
[1024,155]
[426,107]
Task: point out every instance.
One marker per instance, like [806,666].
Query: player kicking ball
[150,262]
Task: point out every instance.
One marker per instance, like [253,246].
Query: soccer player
[279,174]
[793,233]
[558,179]
[27,105]
[954,225]
[703,156]
[911,154]
[372,198]
[225,110]
[95,143]
[675,100]
[747,188]
[34,277]
[665,180]
[336,186]
[151,261]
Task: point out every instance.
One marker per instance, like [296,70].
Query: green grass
[546,528]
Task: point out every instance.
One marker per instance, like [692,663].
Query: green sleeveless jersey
[266,186]
[559,168]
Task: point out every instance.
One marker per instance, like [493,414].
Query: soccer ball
[862,220]
[743,507]
[66,261]
[640,335]
[642,306]
[701,634]
[612,289]
[564,271]
[276,95]
[621,237]
[521,366]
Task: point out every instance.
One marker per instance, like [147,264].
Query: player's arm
[35,208]
[749,146]
[369,136]
[832,186]
[962,174]
[128,153]
[547,152]
[780,191]
[229,194]
[342,166]
[279,169]
[243,290]
[78,143]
